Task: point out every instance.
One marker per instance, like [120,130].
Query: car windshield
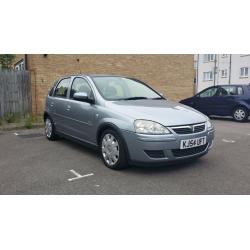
[115,88]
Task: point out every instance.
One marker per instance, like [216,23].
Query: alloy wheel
[48,128]
[110,149]
[239,114]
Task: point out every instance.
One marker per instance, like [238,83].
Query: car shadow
[167,168]
[225,118]
[133,168]
[82,148]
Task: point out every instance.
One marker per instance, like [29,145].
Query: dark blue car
[223,100]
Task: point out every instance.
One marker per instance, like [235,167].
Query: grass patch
[28,122]
[12,117]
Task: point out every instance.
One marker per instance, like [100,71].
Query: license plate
[195,142]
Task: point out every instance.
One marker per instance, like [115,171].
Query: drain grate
[27,136]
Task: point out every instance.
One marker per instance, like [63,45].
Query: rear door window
[62,88]
[230,91]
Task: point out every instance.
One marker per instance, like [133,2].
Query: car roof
[226,85]
[93,75]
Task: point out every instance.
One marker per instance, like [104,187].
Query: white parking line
[228,141]
[78,176]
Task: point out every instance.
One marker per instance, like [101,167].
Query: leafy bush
[6,61]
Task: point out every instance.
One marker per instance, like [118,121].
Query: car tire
[112,150]
[49,128]
[240,114]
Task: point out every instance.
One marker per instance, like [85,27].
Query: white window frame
[209,57]
[208,76]
[224,73]
[244,71]
[20,65]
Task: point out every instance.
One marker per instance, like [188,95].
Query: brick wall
[169,74]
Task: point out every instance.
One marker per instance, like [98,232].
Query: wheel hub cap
[110,149]
[48,128]
[239,114]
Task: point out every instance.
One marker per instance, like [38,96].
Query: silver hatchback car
[126,120]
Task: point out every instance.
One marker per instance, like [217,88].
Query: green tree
[6,60]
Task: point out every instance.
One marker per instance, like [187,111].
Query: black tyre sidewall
[246,112]
[53,134]
[122,161]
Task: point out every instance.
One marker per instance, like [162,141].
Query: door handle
[68,108]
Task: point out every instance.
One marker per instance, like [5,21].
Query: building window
[224,73]
[208,76]
[209,57]
[19,65]
[244,72]
[242,55]
[224,55]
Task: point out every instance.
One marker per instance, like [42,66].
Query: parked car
[223,100]
[126,119]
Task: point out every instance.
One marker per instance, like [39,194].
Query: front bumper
[163,148]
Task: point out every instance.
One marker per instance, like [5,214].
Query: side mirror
[83,97]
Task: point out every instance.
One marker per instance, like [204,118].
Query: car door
[204,101]
[80,114]
[225,99]
[60,105]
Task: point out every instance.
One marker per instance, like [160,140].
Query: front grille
[155,153]
[183,130]
[188,151]
[199,128]
[189,129]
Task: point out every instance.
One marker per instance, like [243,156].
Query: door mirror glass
[81,96]
[81,91]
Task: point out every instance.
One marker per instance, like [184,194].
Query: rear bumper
[163,148]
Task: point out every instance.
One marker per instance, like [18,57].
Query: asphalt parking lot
[30,164]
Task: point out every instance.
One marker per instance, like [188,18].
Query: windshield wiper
[134,98]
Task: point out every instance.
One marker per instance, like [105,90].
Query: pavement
[30,164]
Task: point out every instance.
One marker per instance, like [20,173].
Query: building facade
[218,69]
[171,75]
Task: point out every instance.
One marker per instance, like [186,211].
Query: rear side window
[62,88]
[51,91]
[240,90]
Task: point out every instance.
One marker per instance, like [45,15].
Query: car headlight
[150,127]
[209,124]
